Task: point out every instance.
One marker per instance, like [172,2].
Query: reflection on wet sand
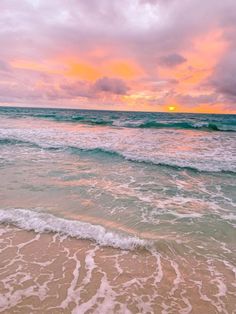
[48,273]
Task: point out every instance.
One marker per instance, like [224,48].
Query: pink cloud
[155,36]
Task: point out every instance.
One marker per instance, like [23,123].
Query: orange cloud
[29,65]
[204,54]
[217,108]
[125,69]
[82,70]
[49,67]
[88,69]
[201,58]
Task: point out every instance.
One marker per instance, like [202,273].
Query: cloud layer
[129,55]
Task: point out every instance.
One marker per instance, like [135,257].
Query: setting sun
[171,108]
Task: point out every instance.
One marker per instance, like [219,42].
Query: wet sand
[48,273]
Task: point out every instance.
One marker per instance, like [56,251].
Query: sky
[144,55]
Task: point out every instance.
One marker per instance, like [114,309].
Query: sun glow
[171,108]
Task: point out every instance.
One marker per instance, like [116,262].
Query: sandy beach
[49,273]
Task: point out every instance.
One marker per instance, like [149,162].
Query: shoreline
[162,235]
[50,273]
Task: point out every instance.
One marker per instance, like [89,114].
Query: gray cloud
[4,66]
[172,60]
[224,77]
[76,89]
[111,85]
[140,29]
[192,101]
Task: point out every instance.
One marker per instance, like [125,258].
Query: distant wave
[74,118]
[13,141]
[188,126]
[43,222]
[144,121]
[207,126]
[177,164]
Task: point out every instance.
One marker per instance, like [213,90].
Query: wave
[133,120]
[75,118]
[209,126]
[177,164]
[98,122]
[44,223]
[188,126]
[14,141]
[11,141]
[220,126]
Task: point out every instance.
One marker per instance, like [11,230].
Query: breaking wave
[44,222]
[177,163]
[223,123]
[189,126]
[147,124]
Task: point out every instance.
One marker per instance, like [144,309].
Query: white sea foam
[204,152]
[44,222]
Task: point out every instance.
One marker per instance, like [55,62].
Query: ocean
[117,212]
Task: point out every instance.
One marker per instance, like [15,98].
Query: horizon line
[113,110]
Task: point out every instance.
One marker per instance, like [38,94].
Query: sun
[171,108]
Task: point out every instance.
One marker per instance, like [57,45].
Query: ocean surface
[163,183]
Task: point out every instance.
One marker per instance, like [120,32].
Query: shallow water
[162,183]
[54,274]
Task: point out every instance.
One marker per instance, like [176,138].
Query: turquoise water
[164,182]
[174,181]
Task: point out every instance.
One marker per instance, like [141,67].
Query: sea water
[161,182]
